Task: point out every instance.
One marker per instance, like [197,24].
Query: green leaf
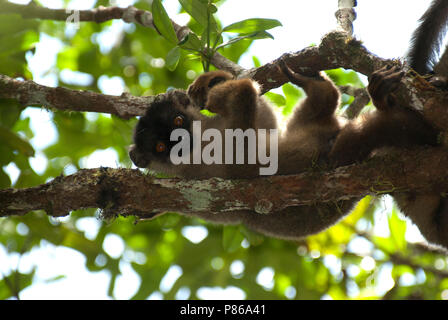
[213,8]
[191,42]
[55,278]
[162,22]
[68,58]
[198,10]
[12,23]
[236,50]
[207,113]
[6,154]
[18,281]
[253,237]
[397,230]
[292,94]
[254,35]
[252,25]
[11,65]
[256,61]
[17,42]
[344,77]
[9,112]
[384,244]
[212,38]
[172,58]
[231,238]
[276,98]
[16,142]
[5,181]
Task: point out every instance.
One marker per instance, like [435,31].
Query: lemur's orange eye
[178,121]
[160,147]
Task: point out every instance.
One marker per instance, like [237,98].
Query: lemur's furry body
[315,137]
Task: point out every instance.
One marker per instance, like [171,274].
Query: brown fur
[199,92]
[314,135]
[429,212]
[238,105]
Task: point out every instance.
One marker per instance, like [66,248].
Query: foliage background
[364,256]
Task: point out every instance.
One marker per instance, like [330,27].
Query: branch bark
[115,189]
[29,93]
[361,99]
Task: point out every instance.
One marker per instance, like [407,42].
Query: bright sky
[384,26]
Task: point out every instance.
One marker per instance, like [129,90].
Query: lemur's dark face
[153,130]
[166,113]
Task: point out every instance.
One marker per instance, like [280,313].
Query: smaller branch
[35,11]
[361,96]
[414,248]
[98,15]
[222,63]
[397,259]
[103,14]
[28,93]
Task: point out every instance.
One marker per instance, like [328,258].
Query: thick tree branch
[361,99]
[417,170]
[268,76]
[337,50]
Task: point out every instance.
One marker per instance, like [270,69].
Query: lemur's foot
[198,91]
[298,78]
[381,85]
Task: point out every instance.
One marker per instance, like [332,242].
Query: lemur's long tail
[427,38]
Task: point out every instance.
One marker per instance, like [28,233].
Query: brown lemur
[238,104]
[314,135]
